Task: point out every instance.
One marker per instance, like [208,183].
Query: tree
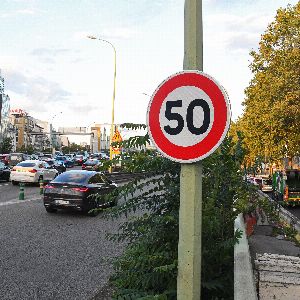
[6,145]
[271,119]
[26,149]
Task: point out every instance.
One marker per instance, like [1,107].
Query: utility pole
[190,213]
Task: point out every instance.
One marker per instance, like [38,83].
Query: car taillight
[14,169]
[33,171]
[80,189]
[83,166]
[49,186]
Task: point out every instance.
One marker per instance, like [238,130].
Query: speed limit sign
[188,116]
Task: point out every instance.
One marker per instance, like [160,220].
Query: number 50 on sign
[188,116]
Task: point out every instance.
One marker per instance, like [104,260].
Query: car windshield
[73,177]
[26,164]
[2,165]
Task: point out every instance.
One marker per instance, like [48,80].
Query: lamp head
[91,37]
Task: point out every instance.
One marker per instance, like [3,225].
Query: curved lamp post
[114,91]
[51,135]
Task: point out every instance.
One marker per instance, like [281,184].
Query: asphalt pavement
[51,256]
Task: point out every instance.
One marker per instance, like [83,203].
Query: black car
[57,165]
[91,165]
[75,189]
[4,172]
[66,161]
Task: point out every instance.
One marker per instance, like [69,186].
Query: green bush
[148,267]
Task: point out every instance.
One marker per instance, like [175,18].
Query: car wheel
[51,210]
[14,182]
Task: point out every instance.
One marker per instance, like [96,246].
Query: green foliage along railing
[148,267]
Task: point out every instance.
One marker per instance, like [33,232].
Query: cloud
[38,91]
[83,109]
[28,11]
[242,41]
[49,51]
[238,33]
[49,55]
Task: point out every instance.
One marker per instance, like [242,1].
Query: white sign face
[188,116]
[186,122]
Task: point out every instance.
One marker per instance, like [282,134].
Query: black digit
[173,116]
[190,116]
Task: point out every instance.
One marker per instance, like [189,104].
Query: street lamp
[51,135]
[91,137]
[114,91]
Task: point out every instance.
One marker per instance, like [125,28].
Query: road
[50,256]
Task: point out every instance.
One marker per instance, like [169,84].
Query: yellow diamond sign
[116,138]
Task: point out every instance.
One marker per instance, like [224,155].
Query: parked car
[30,171]
[4,158]
[49,155]
[57,165]
[74,189]
[266,185]
[79,159]
[66,160]
[15,158]
[91,165]
[257,181]
[71,156]
[4,172]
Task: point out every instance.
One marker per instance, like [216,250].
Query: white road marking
[11,202]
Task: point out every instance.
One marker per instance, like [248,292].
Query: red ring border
[219,128]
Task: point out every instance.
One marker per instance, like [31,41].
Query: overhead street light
[114,91]
[51,135]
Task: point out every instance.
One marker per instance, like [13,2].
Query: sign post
[188,117]
[190,211]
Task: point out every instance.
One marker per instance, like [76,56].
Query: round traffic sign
[188,116]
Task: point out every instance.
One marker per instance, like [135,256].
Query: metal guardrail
[125,176]
[285,214]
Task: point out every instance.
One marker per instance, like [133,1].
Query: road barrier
[21,193]
[125,176]
[283,213]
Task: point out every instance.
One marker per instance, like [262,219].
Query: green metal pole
[21,193]
[190,213]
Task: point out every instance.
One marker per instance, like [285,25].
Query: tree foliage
[148,267]
[271,119]
[6,145]
[73,147]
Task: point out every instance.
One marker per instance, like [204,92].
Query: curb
[244,286]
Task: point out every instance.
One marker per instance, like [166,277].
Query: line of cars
[263,182]
[74,189]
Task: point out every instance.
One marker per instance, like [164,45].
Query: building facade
[5,129]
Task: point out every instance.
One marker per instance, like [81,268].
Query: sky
[55,73]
